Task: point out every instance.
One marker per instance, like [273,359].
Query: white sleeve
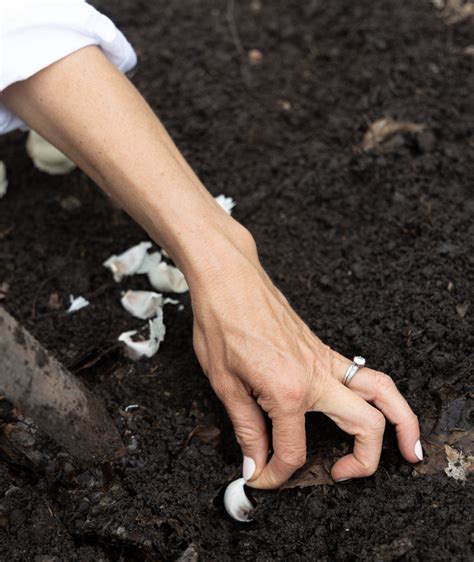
[37,33]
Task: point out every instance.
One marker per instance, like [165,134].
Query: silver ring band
[356,364]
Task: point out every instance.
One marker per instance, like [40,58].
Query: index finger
[289,445]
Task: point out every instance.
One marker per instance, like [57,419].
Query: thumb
[250,431]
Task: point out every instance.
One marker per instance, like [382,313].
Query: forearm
[91,112]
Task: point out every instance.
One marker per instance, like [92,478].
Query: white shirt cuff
[36,33]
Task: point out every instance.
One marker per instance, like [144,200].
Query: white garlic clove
[145,348]
[129,262]
[227,203]
[3,180]
[149,261]
[167,278]
[77,303]
[236,502]
[142,304]
[47,157]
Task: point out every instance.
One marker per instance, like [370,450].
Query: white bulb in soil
[129,262]
[142,304]
[3,180]
[227,203]
[145,348]
[47,157]
[167,278]
[236,502]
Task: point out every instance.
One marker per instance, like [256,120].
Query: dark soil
[374,250]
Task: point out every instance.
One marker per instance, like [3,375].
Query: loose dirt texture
[372,249]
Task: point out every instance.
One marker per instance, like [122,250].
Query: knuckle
[291,394]
[412,420]
[294,459]
[376,422]
[385,382]
[246,436]
[369,469]
[221,387]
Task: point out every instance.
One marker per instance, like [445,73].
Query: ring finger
[379,389]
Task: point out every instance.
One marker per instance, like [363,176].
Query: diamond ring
[357,362]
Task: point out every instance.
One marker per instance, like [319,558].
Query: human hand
[257,353]
[260,356]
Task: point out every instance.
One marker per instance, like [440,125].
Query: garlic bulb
[236,502]
[47,157]
[129,262]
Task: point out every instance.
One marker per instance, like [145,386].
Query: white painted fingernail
[248,468]
[343,479]
[418,450]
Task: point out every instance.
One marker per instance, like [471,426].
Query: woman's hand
[259,355]
[256,351]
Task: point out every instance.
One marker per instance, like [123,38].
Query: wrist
[206,244]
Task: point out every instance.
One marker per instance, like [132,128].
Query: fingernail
[418,450]
[248,468]
[344,479]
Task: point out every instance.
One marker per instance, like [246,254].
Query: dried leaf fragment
[4,288]
[314,473]
[454,11]
[459,464]
[209,434]
[380,130]
[462,309]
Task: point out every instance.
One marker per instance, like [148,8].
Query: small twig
[230,16]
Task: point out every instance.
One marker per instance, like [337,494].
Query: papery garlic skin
[227,203]
[77,304]
[142,304]
[47,157]
[3,179]
[236,502]
[167,279]
[129,262]
[149,261]
[145,348]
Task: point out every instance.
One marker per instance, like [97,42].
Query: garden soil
[373,249]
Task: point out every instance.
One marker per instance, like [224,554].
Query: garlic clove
[149,261]
[47,157]
[167,278]
[142,304]
[227,203]
[77,303]
[129,262]
[145,348]
[3,180]
[236,502]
